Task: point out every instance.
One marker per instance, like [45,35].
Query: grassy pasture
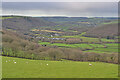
[77,45]
[44,43]
[97,45]
[103,50]
[7,17]
[50,31]
[107,40]
[107,49]
[24,68]
[89,39]
[67,45]
[95,51]
[112,22]
[111,47]
[98,48]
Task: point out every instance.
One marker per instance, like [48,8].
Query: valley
[62,47]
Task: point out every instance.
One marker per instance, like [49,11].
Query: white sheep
[15,62]
[90,64]
[47,64]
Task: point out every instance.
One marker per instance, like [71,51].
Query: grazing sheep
[15,62]
[47,64]
[6,61]
[90,64]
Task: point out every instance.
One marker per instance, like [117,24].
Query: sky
[60,0]
[70,9]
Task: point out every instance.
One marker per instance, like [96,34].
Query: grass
[51,31]
[95,51]
[107,40]
[67,45]
[44,43]
[89,39]
[99,48]
[56,69]
[112,22]
[97,45]
[112,45]
[63,45]
[103,50]
[7,17]
[107,49]
[72,45]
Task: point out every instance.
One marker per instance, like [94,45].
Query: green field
[111,48]
[98,48]
[24,68]
[5,17]
[72,45]
[107,49]
[112,22]
[89,39]
[82,46]
[103,50]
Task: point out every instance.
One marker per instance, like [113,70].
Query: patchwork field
[89,39]
[24,68]
[97,48]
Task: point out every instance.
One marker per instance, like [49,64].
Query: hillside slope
[25,23]
[103,31]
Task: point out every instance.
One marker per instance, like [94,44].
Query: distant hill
[25,23]
[76,19]
[103,31]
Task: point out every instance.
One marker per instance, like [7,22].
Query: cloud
[60,0]
[61,8]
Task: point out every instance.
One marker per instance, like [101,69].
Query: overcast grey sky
[60,0]
[71,9]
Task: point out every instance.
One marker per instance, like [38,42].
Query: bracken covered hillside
[103,31]
[25,23]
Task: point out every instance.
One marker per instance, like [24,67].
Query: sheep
[15,62]
[6,61]
[47,64]
[90,64]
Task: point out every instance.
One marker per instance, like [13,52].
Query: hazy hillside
[77,19]
[103,31]
[24,23]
